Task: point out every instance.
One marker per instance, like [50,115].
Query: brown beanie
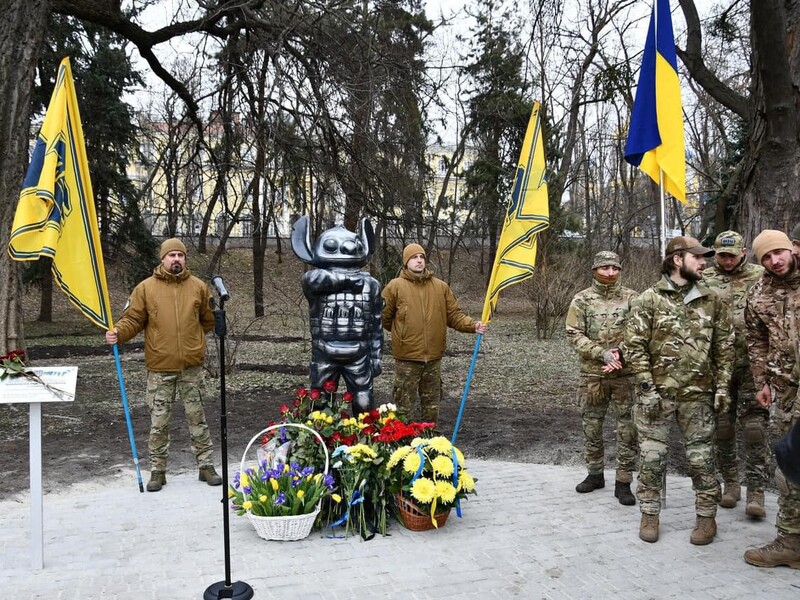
[769,240]
[171,245]
[410,251]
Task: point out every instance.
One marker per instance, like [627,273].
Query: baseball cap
[688,244]
[729,242]
[606,258]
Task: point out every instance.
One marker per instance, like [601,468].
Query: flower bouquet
[360,444]
[281,501]
[430,478]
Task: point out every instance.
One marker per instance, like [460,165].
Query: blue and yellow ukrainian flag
[655,139]
[528,213]
[56,215]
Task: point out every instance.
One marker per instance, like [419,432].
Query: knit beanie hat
[769,240]
[171,245]
[410,251]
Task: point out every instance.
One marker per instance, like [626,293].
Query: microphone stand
[238,590]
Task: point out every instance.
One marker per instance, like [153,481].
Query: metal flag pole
[127,410]
[238,590]
[663,251]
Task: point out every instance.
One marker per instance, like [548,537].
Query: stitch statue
[344,305]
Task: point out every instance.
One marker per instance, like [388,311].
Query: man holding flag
[418,309]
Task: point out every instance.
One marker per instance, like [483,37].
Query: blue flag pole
[466,387]
[128,418]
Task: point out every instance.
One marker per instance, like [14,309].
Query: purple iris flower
[280,499]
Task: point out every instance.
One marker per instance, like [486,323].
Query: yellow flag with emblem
[56,216]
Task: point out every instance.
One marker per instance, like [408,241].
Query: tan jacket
[418,309]
[175,313]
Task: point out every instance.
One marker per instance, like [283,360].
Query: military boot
[731,494]
[755,505]
[591,483]
[622,491]
[209,475]
[704,531]
[158,479]
[783,551]
[648,528]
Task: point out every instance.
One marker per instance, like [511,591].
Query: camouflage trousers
[595,396]
[697,422]
[412,378]
[753,420]
[787,414]
[162,388]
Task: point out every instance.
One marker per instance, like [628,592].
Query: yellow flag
[528,214]
[56,215]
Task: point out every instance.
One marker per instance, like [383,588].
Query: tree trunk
[22,28]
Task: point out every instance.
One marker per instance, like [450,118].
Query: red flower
[315,394]
[297,402]
[329,386]
[14,355]
[347,397]
[302,392]
[284,409]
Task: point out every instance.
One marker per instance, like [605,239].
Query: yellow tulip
[274,483]
[300,493]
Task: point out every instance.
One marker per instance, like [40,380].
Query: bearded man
[771,320]
[679,347]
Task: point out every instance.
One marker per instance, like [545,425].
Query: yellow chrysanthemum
[363,452]
[441,444]
[442,465]
[329,419]
[411,463]
[417,441]
[445,492]
[465,481]
[247,505]
[459,456]
[398,455]
[423,490]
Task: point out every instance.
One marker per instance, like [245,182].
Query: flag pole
[662,238]
[128,418]
[466,387]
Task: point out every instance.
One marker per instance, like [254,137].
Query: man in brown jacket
[173,308]
[418,309]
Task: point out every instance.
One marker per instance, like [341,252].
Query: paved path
[526,535]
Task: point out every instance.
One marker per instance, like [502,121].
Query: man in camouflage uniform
[173,308]
[796,239]
[731,277]
[595,327]
[771,320]
[679,347]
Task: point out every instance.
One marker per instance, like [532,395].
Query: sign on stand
[37,386]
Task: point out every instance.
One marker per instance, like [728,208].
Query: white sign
[41,384]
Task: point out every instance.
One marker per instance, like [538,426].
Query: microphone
[223,293]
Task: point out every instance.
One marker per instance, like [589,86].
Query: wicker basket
[414,519]
[293,527]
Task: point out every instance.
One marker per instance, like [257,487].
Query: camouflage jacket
[681,341]
[732,288]
[596,323]
[771,321]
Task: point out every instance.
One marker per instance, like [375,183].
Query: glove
[610,356]
[650,402]
[722,402]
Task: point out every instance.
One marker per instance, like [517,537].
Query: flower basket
[290,527]
[415,519]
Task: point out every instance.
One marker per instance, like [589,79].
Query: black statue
[344,305]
